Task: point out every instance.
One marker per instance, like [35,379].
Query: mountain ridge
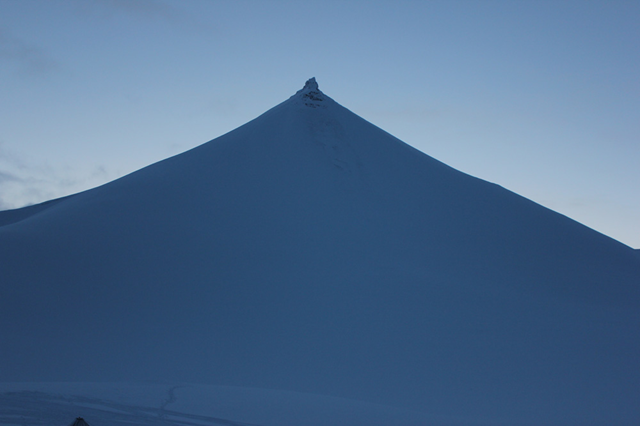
[310,251]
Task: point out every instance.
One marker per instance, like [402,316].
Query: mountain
[309,251]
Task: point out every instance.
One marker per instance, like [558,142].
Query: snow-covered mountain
[312,253]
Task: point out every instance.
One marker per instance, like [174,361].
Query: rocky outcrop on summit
[311,94]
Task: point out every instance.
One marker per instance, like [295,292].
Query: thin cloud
[148,9]
[145,8]
[8,177]
[24,182]
[152,10]
[26,57]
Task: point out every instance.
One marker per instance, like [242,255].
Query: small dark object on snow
[79,422]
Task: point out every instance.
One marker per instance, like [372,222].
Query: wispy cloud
[151,10]
[25,57]
[8,177]
[24,181]
[144,8]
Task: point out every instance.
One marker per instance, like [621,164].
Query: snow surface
[115,404]
[310,253]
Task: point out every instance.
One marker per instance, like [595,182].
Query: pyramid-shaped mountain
[310,251]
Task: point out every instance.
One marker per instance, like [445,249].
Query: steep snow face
[310,251]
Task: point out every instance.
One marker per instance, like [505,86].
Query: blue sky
[541,97]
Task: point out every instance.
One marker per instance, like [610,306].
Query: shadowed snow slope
[310,251]
[124,404]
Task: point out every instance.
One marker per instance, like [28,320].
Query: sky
[541,97]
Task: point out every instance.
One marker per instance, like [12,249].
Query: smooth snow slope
[126,404]
[310,251]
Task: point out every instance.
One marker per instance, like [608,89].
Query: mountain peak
[311,94]
[311,85]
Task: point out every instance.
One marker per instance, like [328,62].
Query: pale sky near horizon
[541,97]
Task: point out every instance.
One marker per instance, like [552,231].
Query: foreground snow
[57,404]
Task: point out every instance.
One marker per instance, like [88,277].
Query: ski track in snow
[170,400]
[28,408]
